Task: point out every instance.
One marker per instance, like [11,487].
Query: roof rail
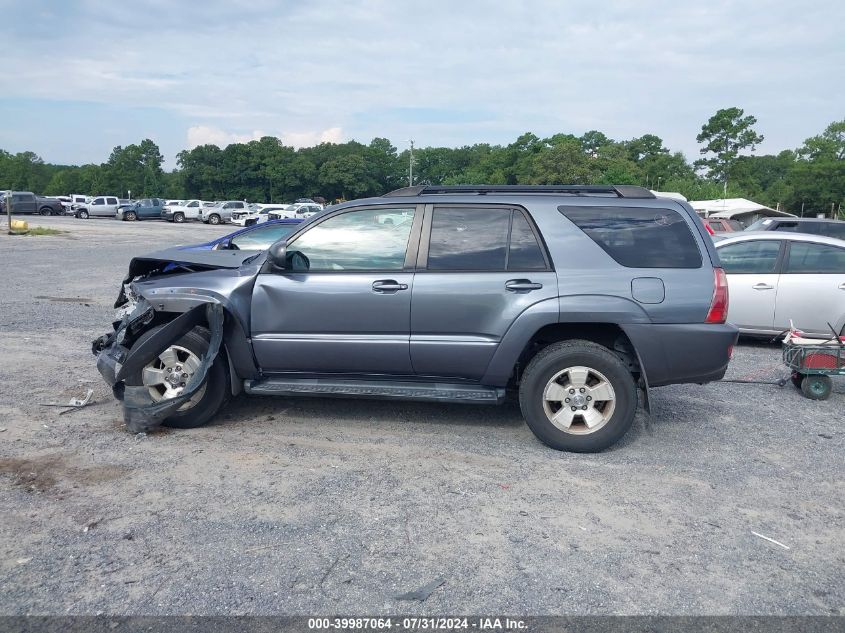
[620,191]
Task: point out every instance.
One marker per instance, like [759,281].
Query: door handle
[762,286]
[522,285]
[388,285]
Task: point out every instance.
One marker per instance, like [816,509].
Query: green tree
[724,136]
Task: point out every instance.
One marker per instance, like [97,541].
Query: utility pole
[411,165]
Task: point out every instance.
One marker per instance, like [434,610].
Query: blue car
[257,237]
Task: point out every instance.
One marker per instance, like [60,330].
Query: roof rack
[620,191]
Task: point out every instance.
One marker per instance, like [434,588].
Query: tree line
[808,179]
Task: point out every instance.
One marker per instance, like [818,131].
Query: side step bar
[380,389]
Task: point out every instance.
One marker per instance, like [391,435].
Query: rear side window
[806,257]
[748,258]
[832,229]
[469,239]
[483,239]
[638,237]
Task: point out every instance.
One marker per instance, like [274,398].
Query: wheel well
[607,335]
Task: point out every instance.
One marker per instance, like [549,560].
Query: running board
[381,389]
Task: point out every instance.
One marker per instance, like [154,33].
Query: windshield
[261,238]
[760,225]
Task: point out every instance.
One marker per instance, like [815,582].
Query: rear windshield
[638,237]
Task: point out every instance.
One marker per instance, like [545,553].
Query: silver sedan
[775,278]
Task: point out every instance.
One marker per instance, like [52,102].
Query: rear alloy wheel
[214,219]
[178,217]
[83,214]
[578,396]
[130,216]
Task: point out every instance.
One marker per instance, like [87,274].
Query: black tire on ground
[217,389]
[796,379]
[214,219]
[817,387]
[179,217]
[45,211]
[560,356]
[82,214]
[130,216]
[250,222]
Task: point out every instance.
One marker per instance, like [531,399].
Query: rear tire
[216,393]
[583,423]
[817,387]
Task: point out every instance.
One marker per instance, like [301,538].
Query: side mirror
[278,255]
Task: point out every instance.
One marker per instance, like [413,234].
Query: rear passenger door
[479,267]
[811,291]
[752,268]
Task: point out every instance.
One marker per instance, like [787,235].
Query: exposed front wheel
[167,375]
[130,216]
[179,217]
[578,396]
[46,211]
[214,219]
[83,215]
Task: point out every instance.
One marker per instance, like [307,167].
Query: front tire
[46,211]
[214,219]
[578,396]
[83,215]
[179,218]
[186,354]
[130,216]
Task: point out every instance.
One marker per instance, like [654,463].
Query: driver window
[357,240]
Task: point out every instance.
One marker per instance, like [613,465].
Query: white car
[775,278]
[222,212]
[76,200]
[187,210]
[260,215]
[304,209]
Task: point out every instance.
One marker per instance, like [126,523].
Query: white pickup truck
[188,210]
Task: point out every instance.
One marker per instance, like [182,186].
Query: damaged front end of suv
[178,313]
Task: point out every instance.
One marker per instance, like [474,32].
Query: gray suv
[571,298]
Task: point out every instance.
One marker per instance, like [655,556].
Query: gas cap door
[648,289]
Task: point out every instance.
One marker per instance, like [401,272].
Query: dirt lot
[316,506]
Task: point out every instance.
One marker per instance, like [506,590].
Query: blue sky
[78,77]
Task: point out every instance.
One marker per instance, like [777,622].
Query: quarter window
[525,252]
[748,258]
[806,257]
[638,237]
[356,240]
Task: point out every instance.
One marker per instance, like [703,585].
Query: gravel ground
[306,506]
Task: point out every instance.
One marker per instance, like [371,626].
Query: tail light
[718,312]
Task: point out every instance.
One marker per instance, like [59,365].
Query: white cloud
[208,135]
[307,139]
[337,69]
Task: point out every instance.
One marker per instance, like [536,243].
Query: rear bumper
[683,353]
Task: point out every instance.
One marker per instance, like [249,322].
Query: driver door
[343,303]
